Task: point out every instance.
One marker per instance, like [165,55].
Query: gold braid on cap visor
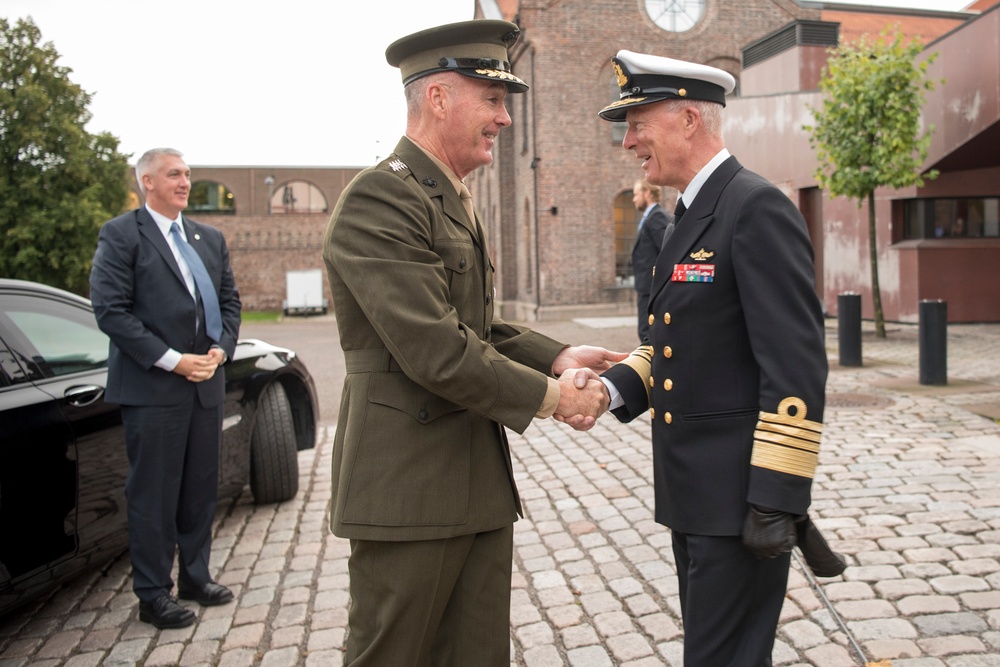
[787,443]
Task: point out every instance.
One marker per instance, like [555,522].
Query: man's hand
[769,533]
[199,367]
[582,398]
[596,359]
[217,354]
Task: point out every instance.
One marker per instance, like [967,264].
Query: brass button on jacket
[666,318]
[669,418]
[668,352]
[668,384]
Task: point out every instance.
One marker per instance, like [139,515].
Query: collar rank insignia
[397,165]
[702,255]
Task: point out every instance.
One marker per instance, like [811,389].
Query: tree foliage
[58,183]
[868,133]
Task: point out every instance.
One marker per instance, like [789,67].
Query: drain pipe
[534,169]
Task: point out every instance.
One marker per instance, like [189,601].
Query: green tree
[58,183]
[868,133]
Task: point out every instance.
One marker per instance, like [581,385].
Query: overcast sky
[231,82]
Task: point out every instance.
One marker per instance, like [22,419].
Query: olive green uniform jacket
[432,375]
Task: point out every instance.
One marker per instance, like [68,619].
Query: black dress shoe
[209,595]
[164,612]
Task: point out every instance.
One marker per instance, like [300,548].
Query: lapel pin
[197,237]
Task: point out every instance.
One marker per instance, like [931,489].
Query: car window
[10,371]
[61,338]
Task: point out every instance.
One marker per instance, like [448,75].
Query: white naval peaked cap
[644,79]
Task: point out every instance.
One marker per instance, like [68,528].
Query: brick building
[557,199]
[939,241]
[562,225]
[274,219]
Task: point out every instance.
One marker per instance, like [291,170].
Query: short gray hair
[145,163]
[711,113]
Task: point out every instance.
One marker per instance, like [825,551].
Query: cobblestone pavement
[908,488]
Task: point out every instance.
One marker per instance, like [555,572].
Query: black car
[62,448]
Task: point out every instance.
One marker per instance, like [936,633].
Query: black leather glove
[769,533]
[821,559]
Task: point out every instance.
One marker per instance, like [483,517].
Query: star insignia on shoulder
[397,165]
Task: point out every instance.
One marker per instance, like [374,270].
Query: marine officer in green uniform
[422,478]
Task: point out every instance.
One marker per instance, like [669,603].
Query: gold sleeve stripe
[784,459]
[763,435]
[778,432]
[641,361]
[787,443]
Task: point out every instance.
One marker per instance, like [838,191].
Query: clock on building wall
[675,15]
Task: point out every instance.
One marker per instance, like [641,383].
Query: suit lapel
[693,224]
[152,233]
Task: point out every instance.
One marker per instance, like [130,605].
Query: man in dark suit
[163,291]
[648,239]
[422,478]
[735,369]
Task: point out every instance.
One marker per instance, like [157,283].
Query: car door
[68,462]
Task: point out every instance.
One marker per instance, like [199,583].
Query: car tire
[274,463]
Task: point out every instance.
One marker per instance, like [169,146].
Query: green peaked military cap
[474,48]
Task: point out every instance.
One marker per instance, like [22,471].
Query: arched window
[298,197]
[626,224]
[211,197]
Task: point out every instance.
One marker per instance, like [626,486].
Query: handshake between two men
[583,397]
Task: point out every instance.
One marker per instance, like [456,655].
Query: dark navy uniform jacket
[734,372]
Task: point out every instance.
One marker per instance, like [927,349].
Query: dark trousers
[730,601]
[444,602]
[172,487]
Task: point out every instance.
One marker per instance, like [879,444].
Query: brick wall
[265,245]
[262,249]
[570,159]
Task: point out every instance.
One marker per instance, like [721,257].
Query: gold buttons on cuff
[651,381]
[668,384]
[652,318]
[668,352]
[666,318]
[669,418]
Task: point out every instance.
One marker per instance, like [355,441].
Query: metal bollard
[849,328]
[933,342]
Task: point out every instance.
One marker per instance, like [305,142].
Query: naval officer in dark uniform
[735,370]
[422,478]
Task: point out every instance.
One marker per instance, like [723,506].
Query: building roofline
[900,11]
[974,17]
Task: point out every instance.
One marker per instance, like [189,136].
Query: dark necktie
[209,299]
[678,212]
